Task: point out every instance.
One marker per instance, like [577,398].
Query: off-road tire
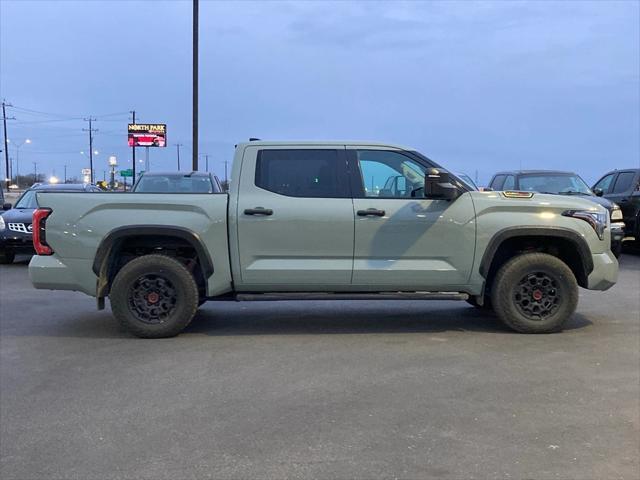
[6,257]
[561,292]
[149,275]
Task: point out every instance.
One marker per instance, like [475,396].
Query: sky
[476,86]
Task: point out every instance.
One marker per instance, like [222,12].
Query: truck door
[294,219]
[402,240]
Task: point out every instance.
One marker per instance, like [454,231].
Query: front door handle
[374,212]
[258,211]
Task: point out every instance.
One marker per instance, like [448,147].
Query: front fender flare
[536,231]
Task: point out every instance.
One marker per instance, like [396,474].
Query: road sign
[126,173]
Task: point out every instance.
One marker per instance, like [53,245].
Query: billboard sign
[147,135]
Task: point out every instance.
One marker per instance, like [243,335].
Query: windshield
[27,200]
[557,184]
[176,184]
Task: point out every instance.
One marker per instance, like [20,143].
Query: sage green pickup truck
[324,220]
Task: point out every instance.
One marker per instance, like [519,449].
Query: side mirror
[598,192]
[6,206]
[438,186]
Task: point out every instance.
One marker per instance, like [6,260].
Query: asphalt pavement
[333,389]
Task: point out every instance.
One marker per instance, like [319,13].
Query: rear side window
[624,181]
[301,173]
[605,183]
[496,183]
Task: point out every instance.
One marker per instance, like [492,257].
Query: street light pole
[27,141]
[6,146]
[178,145]
[133,152]
[194,159]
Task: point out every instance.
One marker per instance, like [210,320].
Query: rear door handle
[258,211]
[374,212]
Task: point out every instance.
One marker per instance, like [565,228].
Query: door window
[623,183]
[389,174]
[301,173]
[605,183]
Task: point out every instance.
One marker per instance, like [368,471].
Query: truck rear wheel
[154,296]
[535,293]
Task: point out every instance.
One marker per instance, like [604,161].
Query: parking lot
[318,389]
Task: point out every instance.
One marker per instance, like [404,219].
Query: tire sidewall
[172,270]
[510,276]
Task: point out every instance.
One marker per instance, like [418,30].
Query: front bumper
[617,231]
[605,271]
[11,241]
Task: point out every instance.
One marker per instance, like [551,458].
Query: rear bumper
[605,271]
[50,273]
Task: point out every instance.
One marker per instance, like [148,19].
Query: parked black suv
[15,223]
[623,187]
[561,183]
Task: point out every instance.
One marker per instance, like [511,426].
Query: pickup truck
[324,220]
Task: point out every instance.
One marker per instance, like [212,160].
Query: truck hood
[539,201]
[599,200]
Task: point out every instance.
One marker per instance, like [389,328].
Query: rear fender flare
[102,260]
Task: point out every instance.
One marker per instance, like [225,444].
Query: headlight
[597,220]
[2,225]
[616,213]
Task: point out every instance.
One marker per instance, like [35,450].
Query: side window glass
[299,173]
[389,174]
[497,182]
[509,183]
[623,183]
[605,183]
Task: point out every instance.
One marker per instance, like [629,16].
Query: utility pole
[35,172]
[194,132]
[206,157]
[225,173]
[178,145]
[90,130]
[65,174]
[133,152]
[6,146]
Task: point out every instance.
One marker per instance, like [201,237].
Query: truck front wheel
[154,296]
[534,293]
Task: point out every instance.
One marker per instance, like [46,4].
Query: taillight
[39,232]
